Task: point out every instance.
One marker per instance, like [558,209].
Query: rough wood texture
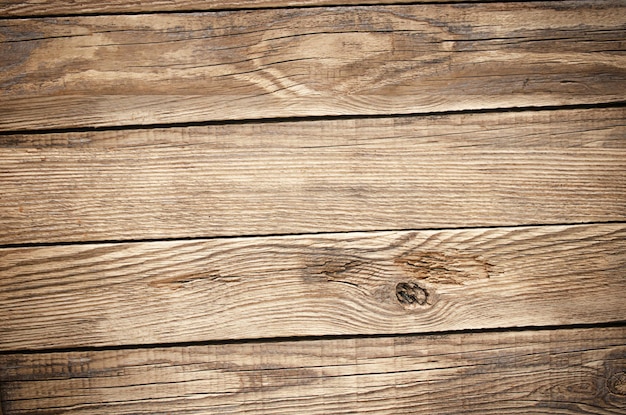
[534,372]
[109,308]
[363,283]
[121,70]
[73,7]
[345,175]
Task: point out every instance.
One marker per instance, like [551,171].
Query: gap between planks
[278,235]
[295,339]
[245,121]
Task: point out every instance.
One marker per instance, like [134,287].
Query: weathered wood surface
[298,177]
[72,7]
[481,172]
[339,284]
[533,372]
[145,69]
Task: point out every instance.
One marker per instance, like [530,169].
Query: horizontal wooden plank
[129,69]
[72,7]
[463,170]
[338,284]
[535,372]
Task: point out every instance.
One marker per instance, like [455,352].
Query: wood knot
[411,295]
[617,384]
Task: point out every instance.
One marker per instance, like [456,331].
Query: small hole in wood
[411,295]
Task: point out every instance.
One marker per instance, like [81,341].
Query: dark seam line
[269,340]
[248,9]
[274,120]
[303,234]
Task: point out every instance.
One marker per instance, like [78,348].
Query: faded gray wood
[530,372]
[315,176]
[146,69]
[338,284]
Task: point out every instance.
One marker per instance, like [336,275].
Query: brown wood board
[532,372]
[462,170]
[69,72]
[339,284]
[25,8]
[293,208]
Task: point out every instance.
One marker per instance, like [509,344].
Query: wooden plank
[338,284]
[322,176]
[27,8]
[129,69]
[533,372]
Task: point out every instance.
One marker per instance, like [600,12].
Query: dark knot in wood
[617,384]
[411,295]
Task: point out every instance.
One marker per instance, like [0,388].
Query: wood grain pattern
[303,177]
[534,372]
[128,70]
[338,284]
[440,321]
[72,7]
